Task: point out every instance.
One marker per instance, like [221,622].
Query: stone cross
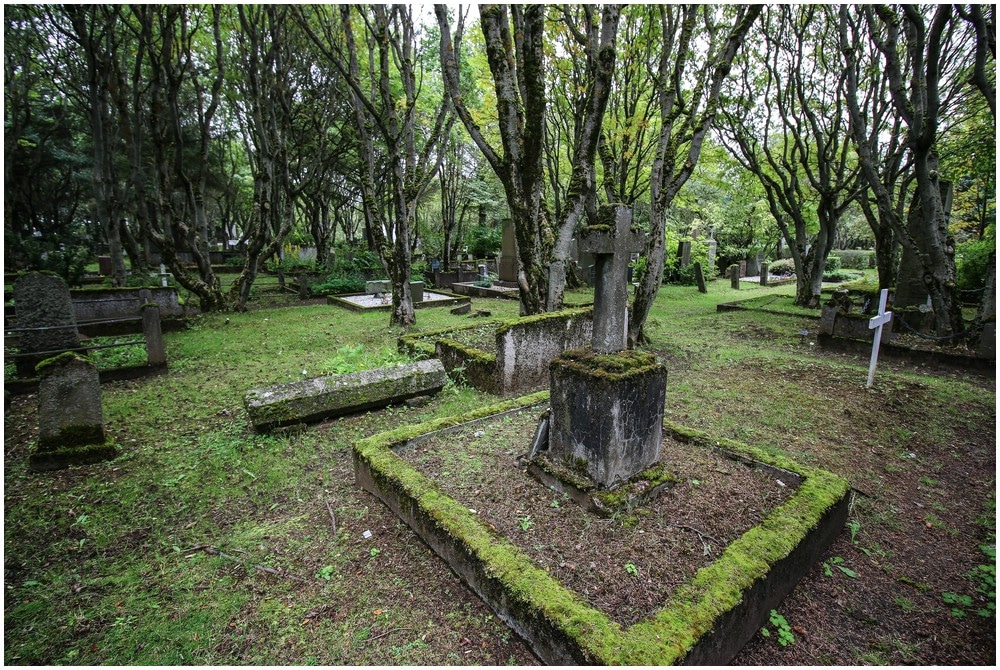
[612,241]
[875,323]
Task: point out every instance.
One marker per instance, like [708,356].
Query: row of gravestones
[70,418]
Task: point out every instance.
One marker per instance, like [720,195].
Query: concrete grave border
[707,620]
[451,300]
[518,360]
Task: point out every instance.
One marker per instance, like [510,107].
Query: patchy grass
[207,544]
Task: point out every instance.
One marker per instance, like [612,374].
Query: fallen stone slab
[310,400]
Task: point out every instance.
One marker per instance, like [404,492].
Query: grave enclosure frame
[706,621]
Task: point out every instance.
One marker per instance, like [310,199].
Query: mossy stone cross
[612,241]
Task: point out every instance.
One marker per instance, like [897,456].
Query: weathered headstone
[699,277]
[752,267]
[70,420]
[713,247]
[156,354]
[734,276]
[684,253]
[45,312]
[764,269]
[743,268]
[607,403]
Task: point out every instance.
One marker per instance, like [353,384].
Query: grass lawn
[207,544]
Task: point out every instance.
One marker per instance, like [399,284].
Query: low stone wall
[120,303]
[522,353]
[707,619]
[835,322]
[325,397]
[526,346]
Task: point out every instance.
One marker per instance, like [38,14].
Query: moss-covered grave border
[707,619]
[474,366]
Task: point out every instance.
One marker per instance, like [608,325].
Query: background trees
[166,132]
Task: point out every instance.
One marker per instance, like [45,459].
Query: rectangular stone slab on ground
[309,400]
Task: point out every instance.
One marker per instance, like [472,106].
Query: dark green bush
[972,263]
[782,268]
[837,276]
[855,259]
[833,263]
[337,285]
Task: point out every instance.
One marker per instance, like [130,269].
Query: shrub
[334,285]
[856,259]
[833,263]
[782,268]
[972,263]
[837,276]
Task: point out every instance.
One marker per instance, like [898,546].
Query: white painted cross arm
[876,323]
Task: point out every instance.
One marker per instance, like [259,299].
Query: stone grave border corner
[706,621]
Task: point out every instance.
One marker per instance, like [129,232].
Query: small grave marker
[876,323]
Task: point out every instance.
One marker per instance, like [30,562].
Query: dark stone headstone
[156,353]
[764,268]
[684,253]
[734,275]
[699,277]
[70,420]
[508,252]
[42,301]
[743,268]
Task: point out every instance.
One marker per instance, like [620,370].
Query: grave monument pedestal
[607,413]
[70,420]
[606,417]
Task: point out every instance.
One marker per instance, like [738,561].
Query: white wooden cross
[875,323]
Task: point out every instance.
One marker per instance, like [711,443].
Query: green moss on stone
[694,608]
[41,459]
[611,367]
[50,364]
[570,312]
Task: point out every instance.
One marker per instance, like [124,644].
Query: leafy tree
[514,42]
[688,104]
[389,111]
[796,147]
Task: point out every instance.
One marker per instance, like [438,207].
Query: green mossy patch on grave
[611,367]
[44,458]
[539,604]
[48,365]
[568,313]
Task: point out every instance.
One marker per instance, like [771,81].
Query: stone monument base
[607,413]
[640,490]
[42,459]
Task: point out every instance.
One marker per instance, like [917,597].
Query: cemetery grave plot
[368,302]
[627,565]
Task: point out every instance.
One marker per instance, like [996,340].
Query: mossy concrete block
[69,403]
[326,397]
[527,345]
[607,413]
[705,621]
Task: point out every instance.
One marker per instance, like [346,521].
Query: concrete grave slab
[310,400]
